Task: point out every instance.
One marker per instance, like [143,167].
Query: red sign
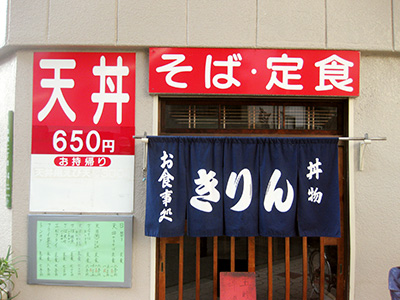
[83,103]
[238,285]
[82,161]
[254,72]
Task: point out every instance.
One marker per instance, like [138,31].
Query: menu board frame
[90,281]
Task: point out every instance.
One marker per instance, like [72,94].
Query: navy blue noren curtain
[280,187]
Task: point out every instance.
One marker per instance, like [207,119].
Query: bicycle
[315,273]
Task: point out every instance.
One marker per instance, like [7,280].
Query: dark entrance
[286,268]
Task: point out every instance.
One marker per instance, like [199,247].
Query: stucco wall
[7,88]
[376,189]
[376,192]
[339,24]
[129,25]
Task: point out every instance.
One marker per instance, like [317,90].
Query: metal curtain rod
[364,141]
[344,138]
[362,138]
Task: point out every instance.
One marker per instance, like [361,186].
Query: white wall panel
[82,22]
[285,23]
[28,22]
[359,25]
[377,192]
[7,101]
[224,23]
[152,22]
[396,25]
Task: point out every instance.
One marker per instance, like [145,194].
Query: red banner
[83,103]
[254,72]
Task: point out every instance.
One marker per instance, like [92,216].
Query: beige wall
[376,190]
[339,24]
[371,26]
[7,100]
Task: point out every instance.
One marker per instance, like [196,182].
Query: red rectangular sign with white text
[254,72]
[83,103]
[83,122]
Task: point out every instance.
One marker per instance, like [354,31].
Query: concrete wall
[339,24]
[371,26]
[376,190]
[7,100]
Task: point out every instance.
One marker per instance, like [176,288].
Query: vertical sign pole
[10,145]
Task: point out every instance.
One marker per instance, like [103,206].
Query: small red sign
[83,103]
[82,161]
[238,285]
[254,72]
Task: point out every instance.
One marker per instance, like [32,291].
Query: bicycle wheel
[315,271]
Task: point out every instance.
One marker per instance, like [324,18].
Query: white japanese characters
[286,72]
[274,196]
[117,97]
[104,72]
[247,194]
[335,70]
[314,195]
[314,170]
[286,65]
[57,84]
[172,69]
[227,79]
[207,191]
[91,141]
[166,180]
[78,161]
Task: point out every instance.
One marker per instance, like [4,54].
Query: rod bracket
[145,141]
[363,146]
